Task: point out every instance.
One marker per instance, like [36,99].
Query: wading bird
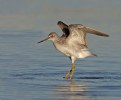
[73,42]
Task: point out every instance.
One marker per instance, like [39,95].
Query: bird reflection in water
[71,92]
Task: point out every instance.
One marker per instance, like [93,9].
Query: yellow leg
[66,76]
[71,72]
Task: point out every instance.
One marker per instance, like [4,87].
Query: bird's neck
[59,41]
[56,39]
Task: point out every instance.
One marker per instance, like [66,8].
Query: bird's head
[52,36]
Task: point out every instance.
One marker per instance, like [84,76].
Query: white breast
[63,49]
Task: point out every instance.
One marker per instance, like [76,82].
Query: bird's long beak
[43,40]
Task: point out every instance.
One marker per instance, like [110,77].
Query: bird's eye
[53,35]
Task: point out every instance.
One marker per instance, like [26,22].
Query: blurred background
[43,15]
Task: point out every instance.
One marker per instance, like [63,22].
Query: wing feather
[93,31]
[75,34]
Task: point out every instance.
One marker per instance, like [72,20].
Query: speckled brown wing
[78,34]
[64,28]
[94,31]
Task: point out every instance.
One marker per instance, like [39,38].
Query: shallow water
[31,71]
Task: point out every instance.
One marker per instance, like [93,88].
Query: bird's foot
[70,73]
[67,75]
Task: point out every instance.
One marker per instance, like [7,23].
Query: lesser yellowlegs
[73,42]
